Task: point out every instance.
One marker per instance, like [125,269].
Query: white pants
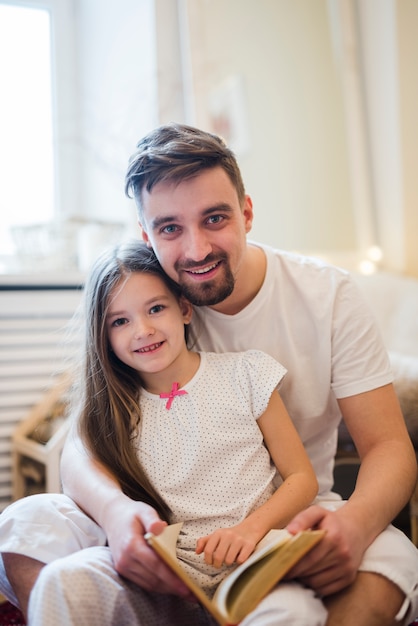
[83,589]
[79,586]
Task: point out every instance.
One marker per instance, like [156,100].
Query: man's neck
[248,282]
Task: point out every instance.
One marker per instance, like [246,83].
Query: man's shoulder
[299,260]
[301,269]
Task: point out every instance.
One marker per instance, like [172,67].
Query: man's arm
[385,482]
[125,521]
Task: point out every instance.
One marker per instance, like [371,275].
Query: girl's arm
[298,490]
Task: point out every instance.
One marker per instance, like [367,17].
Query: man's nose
[197,246]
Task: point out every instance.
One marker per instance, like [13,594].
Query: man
[195,214]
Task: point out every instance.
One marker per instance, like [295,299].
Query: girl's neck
[181,372]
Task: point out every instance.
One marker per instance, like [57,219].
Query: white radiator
[34,350]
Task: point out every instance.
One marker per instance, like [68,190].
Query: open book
[248,583]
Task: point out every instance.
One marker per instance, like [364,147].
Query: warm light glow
[375,254]
[367,267]
[370,264]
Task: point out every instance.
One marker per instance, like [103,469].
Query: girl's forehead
[140,285]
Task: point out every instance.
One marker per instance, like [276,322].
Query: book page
[165,546]
[250,582]
[169,537]
[271,541]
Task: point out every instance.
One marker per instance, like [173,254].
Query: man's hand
[332,565]
[124,521]
[227,545]
[384,484]
[126,524]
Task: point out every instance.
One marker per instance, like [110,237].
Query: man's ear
[248,213]
[144,235]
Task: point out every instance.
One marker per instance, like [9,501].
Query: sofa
[393,299]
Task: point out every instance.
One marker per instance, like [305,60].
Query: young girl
[199,436]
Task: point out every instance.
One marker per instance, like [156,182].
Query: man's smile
[203,270]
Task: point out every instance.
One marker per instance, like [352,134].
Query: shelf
[38,441]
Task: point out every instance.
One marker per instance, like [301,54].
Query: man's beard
[210,293]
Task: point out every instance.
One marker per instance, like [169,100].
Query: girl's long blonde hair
[107,391]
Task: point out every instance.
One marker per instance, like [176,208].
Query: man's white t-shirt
[312,318]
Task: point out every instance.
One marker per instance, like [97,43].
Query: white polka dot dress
[205,453]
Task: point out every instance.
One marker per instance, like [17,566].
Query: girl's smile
[150,348]
[145,323]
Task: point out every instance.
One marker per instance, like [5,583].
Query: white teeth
[150,348]
[203,271]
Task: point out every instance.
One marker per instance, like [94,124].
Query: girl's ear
[186,309]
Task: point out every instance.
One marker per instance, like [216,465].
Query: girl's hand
[227,546]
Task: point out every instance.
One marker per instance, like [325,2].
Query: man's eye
[215,219]
[171,228]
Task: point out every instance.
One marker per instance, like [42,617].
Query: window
[101,97]
[30,192]
[26,149]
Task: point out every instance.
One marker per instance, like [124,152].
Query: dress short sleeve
[258,375]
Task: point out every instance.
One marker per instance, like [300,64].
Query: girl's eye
[119,322]
[157,308]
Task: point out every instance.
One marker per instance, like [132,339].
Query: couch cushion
[405,371]
[393,299]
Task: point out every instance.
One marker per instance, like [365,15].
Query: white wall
[296,163]
[117,99]
[407,24]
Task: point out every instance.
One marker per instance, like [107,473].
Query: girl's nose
[143,328]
